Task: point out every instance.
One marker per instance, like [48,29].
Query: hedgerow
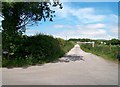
[38,49]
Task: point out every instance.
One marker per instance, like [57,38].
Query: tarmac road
[75,68]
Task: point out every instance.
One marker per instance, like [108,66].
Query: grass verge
[105,51]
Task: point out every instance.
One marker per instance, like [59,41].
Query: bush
[36,50]
[106,51]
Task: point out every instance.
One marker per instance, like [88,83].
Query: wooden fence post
[93,44]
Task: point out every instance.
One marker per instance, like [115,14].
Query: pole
[93,44]
[66,38]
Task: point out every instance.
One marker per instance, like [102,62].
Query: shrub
[106,51]
[36,50]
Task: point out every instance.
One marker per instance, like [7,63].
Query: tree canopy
[19,14]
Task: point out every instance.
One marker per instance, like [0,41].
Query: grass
[105,51]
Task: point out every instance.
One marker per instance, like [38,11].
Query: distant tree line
[107,42]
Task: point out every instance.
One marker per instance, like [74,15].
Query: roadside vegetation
[104,51]
[108,49]
[20,50]
[0,49]
[38,49]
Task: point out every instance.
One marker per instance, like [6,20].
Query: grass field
[105,51]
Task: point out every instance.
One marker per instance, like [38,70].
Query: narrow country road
[75,68]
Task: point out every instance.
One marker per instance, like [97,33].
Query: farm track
[75,68]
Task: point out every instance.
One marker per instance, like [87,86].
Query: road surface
[75,68]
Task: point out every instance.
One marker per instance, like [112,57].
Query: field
[106,51]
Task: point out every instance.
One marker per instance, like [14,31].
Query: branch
[23,25]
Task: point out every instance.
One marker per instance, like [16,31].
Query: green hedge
[105,51]
[36,49]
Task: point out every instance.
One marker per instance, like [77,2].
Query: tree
[19,14]
[114,42]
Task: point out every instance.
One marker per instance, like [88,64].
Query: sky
[94,20]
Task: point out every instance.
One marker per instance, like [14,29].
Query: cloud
[87,15]
[88,24]
[84,15]
[31,32]
[57,26]
[96,26]
[111,19]
[112,25]
[64,12]
[93,31]
[114,30]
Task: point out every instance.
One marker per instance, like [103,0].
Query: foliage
[23,50]
[37,49]
[81,40]
[114,42]
[65,45]
[107,42]
[16,15]
[106,51]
